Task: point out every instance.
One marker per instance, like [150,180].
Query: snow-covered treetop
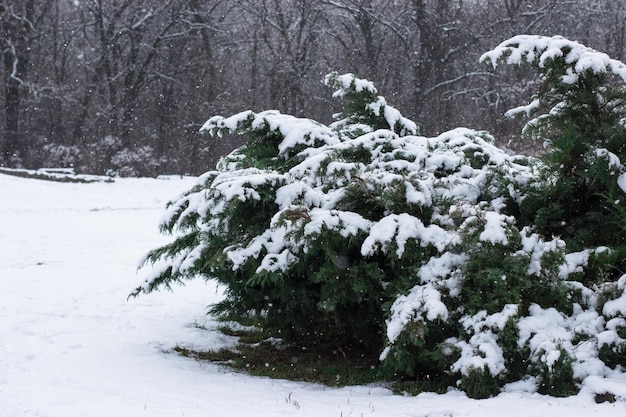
[367,111]
[577,60]
[348,82]
[576,82]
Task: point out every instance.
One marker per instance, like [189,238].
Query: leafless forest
[122,86]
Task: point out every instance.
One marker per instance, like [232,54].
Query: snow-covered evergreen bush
[421,250]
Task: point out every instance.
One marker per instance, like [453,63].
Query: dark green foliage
[557,380]
[614,354]
[517,359]
[497,275]
[418,354]
[479,384]
[578,197]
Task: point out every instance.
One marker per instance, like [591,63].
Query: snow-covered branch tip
[361,92]
[345,83]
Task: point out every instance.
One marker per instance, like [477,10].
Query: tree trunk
[16,29]
[11,111]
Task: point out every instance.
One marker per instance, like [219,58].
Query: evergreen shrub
[456,263]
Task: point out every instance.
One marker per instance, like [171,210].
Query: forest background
[122,87]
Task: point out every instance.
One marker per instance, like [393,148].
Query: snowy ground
[72,345]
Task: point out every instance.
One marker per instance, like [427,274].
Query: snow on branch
[295,132]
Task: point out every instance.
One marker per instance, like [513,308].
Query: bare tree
[144,74]
[127,38]
[285,42]
[17,32]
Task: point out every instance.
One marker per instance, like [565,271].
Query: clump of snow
[482,349]
[440,267]
[527,109]
[612,384]
[422,303]
[495,228]
[545,333]
[617,307]
[613,160]
[574,262]
[482,321]
[399,228]
[537,247]
[621,181]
